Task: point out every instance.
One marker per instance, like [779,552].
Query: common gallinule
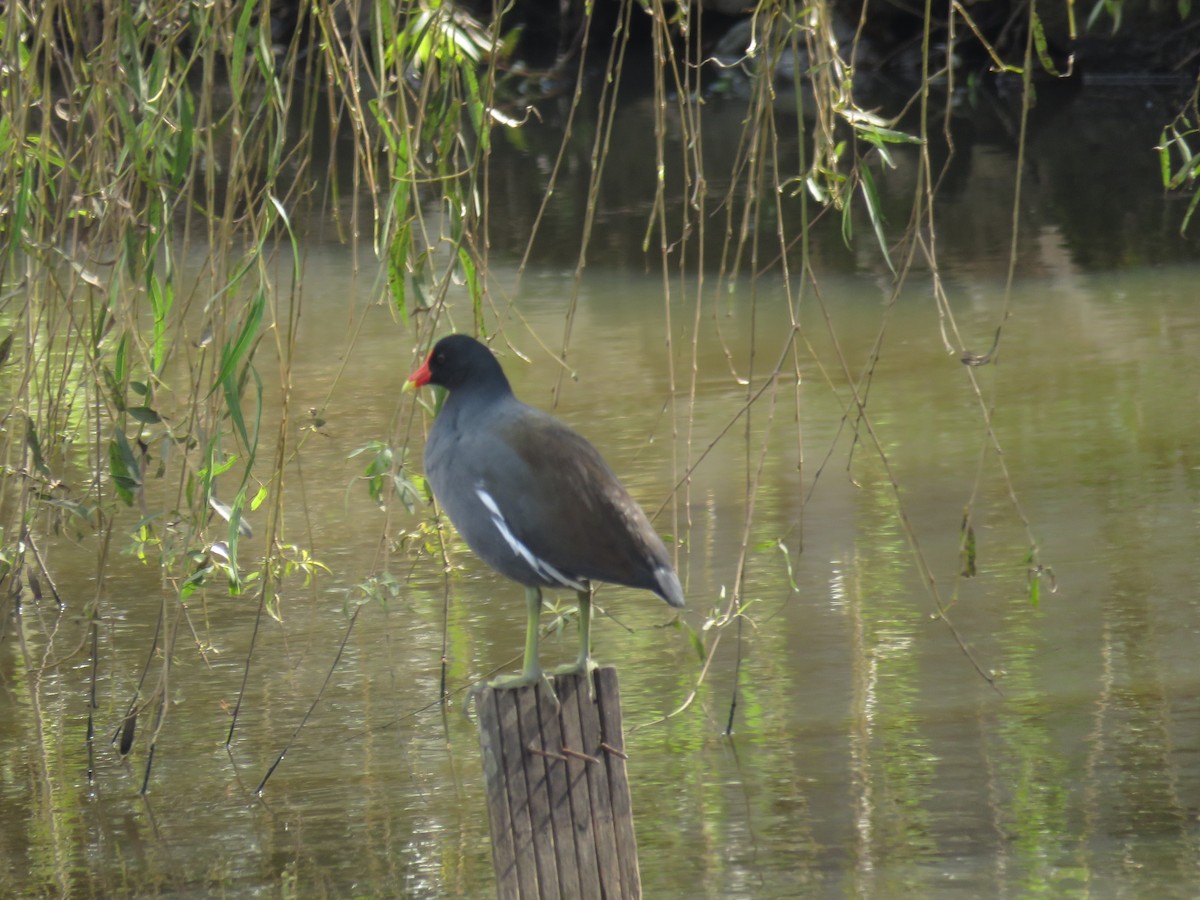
[532,498]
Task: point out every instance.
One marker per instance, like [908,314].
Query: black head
[458,361]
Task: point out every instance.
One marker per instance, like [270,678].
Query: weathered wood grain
[559,807]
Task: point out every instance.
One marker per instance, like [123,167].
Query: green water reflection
[868,756]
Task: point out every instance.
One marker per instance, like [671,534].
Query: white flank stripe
[539,566]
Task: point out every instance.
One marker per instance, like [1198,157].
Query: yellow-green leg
[583,664]
[533,669]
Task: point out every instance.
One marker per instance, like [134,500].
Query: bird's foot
[508,682]
[525,679]
[584,666]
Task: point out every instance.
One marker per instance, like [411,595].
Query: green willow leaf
[871,196]
[1043,46]
[232,354]
[144,414]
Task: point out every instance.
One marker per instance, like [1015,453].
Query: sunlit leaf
[878,135]
[1042,45]
[295,244]
[871,196]
[162,295]
[226,512]
[220,468]
[407,491]
[848,225]
[232,353]
[237,57]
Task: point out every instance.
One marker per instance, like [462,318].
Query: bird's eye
[441,359]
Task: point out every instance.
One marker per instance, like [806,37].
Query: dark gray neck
[480,394]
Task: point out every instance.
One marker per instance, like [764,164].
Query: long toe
[581,667]
[525,679]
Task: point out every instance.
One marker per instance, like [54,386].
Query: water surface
[878,749]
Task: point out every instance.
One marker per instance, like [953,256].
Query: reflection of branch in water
[973,359]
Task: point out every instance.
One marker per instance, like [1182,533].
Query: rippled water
[877,748]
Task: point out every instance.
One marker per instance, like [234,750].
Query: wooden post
[558,794]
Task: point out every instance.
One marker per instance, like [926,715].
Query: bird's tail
[669,587]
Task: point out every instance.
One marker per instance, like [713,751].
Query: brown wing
[568,507]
